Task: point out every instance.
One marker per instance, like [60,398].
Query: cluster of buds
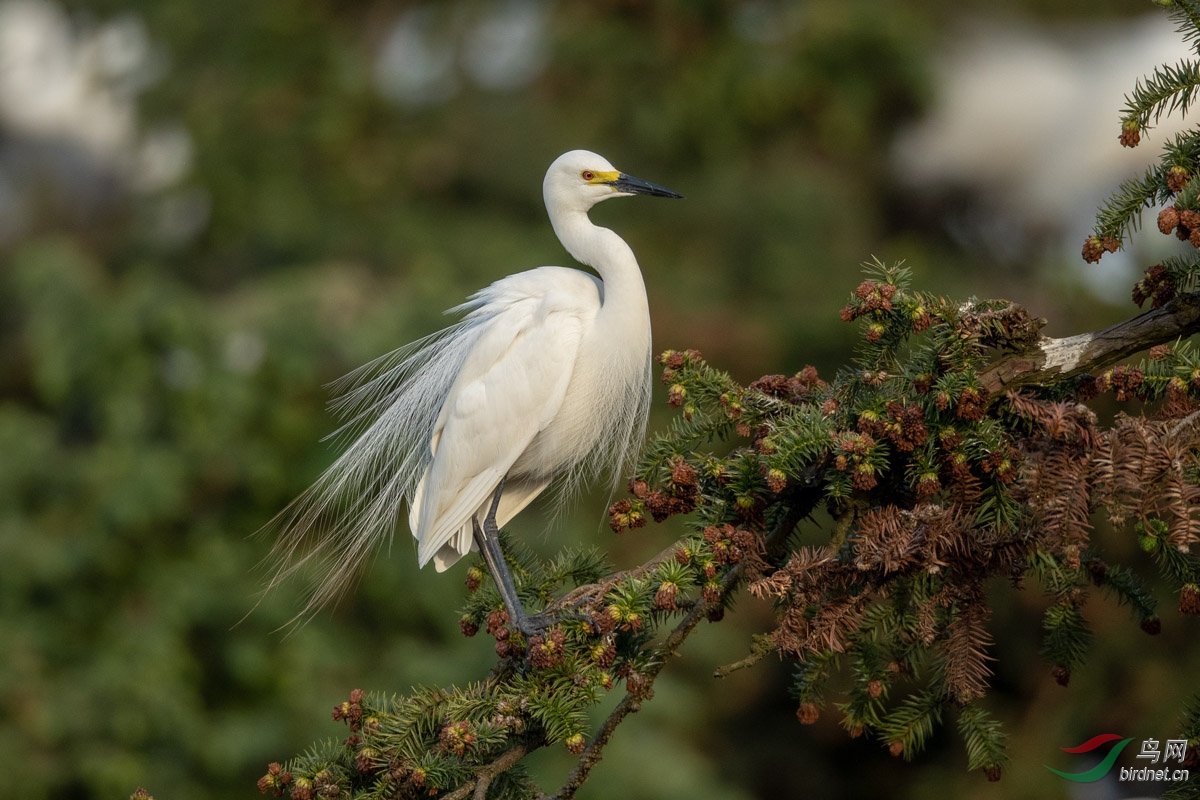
[675,397]
[474,578]
[623,516]
[1157,286]
[1002,463]
[731,404]
[548,650]
[457,738]
[351,710]
[921,318]
[949,439]
[808,712]
[621,616]
[302,789]
[960,467]
[852,450]
[510,715]
[1183,222]
[904,426]
[275,781]
[870,298]
[1094,247]
[605,622]
[673,360]
[1125,381]
[729,545]
[874,377]
[366,761]
[575,743]
[323,784]
[497,624]
[636,682]
[793,389]
[1061,674]
[497,627]
[664,597]
[1180,402]
[928,484]
[604,653]
[678,496]
[1177,178]
[1131,133]
[684,554]
[758,434]
[970,405]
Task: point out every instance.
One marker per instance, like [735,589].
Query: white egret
[545,380]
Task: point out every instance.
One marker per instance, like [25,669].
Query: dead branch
[1055,359]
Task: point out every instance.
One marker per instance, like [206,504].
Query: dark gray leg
[488,540]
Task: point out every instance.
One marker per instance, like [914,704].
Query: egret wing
[510,387]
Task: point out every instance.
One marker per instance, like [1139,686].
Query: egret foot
[487,538]
[547,619]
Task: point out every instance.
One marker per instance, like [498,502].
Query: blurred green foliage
[161,398]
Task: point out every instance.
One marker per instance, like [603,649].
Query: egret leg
[488,539]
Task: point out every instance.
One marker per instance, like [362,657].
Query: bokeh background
[210,210]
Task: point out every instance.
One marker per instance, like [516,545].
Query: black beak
[631,185]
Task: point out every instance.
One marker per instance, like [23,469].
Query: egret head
[579,179]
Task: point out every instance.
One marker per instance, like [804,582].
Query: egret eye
[587,175]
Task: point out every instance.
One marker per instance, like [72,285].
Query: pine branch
[937,478]
[1122,212]
[906,728]
[632,702]
[1168,89]
[1067,638]
[478,787]
[761,646]
[1053,360]
[1127,588]
[984,740]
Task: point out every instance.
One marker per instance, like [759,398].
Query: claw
[487,538]
[535,625]
[538,623]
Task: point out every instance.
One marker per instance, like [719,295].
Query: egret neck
[607,253]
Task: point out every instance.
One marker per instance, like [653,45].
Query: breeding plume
[545,380]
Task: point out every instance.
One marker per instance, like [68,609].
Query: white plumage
[545,380]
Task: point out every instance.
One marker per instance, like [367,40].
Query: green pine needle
[1168,89]
[984,739]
